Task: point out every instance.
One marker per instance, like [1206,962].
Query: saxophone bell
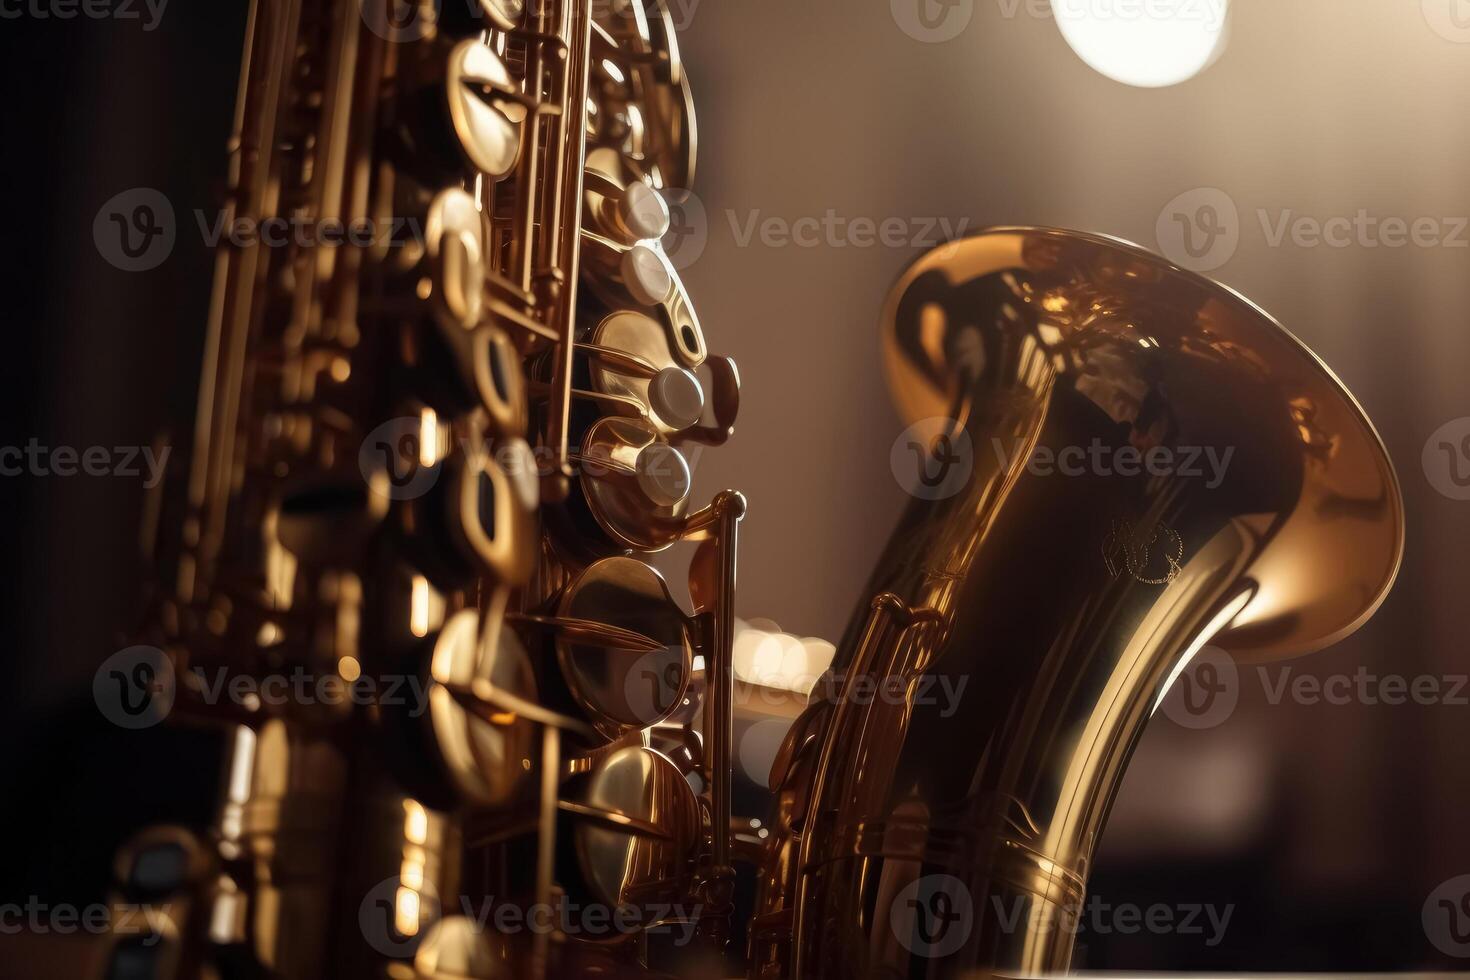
[1060,587]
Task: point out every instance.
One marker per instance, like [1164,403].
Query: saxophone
[439,459]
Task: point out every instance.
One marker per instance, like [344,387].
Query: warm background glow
[1313,108]
[1149,43]
[1327,825]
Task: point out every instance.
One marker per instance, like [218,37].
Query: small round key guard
[724,402]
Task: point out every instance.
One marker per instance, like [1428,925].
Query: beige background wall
[1318,106]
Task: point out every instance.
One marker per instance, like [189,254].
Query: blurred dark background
[1324,827]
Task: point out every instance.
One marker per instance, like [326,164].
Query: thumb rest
[442,461]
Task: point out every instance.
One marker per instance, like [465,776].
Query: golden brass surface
[1069,601]
[626,690]
[490,761]
[1113,317]
[475,75]
[622,867]
[385,490]
[446,465]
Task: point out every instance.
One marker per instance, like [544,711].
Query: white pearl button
[643,211]
[663,475]
[645,275]
[676,397]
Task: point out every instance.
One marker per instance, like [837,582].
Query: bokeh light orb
[1147,43]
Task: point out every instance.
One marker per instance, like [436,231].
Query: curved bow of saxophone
[1061,582]
[432,462]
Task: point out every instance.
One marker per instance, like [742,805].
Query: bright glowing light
[418,611]
[242,764]
[415,822]
[406,912]
[1148,43]
[767,656]
[1221,620]
[765,665]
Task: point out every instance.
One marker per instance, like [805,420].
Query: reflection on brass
[455,948]
[456,244]
[489,758]
[621,867]
[1072,598]
[635,482]
[623,690]
[504,14]
[397,484]
[670,395]
[437,474]
[1126,550]
[475,80]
